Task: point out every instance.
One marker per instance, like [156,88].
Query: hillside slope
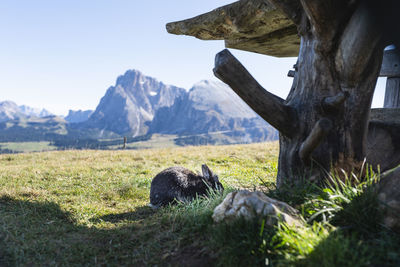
[212,107]
[76,116]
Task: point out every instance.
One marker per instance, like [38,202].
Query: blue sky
[64,54]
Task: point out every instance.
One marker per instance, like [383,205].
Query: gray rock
[256,204]
[383,142]
[389,197]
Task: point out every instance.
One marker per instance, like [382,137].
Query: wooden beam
[390,64]
[257,26]
[270,107]
[291,73]
[292,9]
[280,43]
[386,115]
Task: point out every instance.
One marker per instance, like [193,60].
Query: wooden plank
[392,94]
[390,64]
[387,115]
[250,25]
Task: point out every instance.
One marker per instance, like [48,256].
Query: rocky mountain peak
[8,104]
[9,111]
[76,116]
[214,94]
[208,107]
[131,78]
[36,112]
[131,103]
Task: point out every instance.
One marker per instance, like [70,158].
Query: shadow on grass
[140,213]
[41,233]
[293,194]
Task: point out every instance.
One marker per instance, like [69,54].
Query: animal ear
[207,173]
[216,179]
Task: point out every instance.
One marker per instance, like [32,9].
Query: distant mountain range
[212,107]
[11,111]
[75,116]
[138,105]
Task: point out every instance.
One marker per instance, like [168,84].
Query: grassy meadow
[26,147]
[88,208]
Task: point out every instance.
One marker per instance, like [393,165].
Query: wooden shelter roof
[250,25]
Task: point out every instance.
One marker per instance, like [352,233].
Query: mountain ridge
[129,105]
[9,110]
[77,116]
[139,105]
[211,106]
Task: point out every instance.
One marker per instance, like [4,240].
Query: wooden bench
[391,69]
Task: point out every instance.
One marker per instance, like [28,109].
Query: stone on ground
[249,205]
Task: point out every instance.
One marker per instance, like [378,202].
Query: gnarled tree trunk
[323,122]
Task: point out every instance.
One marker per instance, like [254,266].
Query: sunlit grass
[27,146]
[90,208]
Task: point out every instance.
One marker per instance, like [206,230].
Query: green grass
[90,208]
[27,146]
[156,141]
[85,207]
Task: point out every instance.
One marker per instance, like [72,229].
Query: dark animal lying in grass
[180,184]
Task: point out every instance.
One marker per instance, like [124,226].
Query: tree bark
[324,120]
[268,106]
